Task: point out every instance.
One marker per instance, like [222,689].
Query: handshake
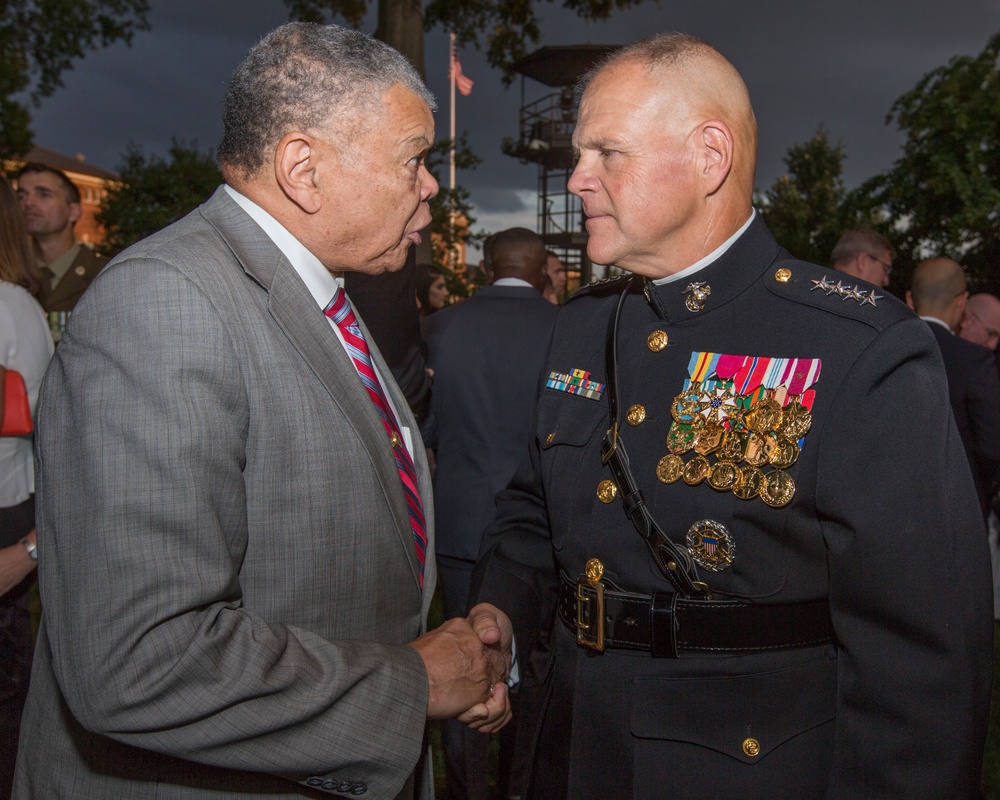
[468,661]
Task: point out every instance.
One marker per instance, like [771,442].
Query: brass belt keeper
[590,609]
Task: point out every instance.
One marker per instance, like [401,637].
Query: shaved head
[938,290]
[697,78]
[981,322]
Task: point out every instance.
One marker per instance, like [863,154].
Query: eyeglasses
[885,265]
[990,332]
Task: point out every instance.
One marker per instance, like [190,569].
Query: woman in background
[25,346]
[431,290]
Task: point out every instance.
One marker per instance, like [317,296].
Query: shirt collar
[511,282]
[704,262]
[936,321]
[318,280]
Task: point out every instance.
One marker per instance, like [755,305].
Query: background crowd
[468,371]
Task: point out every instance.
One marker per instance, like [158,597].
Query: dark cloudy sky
[841,64]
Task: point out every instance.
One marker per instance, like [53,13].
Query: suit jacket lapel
[297,314]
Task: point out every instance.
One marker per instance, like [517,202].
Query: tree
[155,192]
[505,27]
[40,40]
[944,191]
[805,208]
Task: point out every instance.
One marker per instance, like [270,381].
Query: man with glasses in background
[865,254]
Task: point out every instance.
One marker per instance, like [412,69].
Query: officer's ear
[715,140]
[909,299]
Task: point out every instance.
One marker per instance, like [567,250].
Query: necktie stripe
[339,311]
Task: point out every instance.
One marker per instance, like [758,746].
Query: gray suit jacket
[227,568]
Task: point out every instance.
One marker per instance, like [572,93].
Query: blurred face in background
[47,208]
[556,272]
[437,294]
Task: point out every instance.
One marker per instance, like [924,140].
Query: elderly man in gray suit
[235,533]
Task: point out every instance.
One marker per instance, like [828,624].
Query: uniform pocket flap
[569,420]
[743,716]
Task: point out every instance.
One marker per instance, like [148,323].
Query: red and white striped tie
[339,310]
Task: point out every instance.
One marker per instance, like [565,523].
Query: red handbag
[16,411]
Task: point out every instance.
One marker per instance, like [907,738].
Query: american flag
[462,82]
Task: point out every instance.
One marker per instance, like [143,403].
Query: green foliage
[506,28]
[803,209]
[155,192]
[447,203]
[945,189]
[40,40]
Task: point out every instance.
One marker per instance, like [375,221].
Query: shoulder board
[602,287]
[834,292]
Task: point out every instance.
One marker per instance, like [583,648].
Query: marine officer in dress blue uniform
[745,526]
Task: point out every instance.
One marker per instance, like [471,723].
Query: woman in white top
[25,346]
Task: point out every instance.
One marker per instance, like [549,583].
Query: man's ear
[295,162]
[909,299]
[75,212]
[715,142]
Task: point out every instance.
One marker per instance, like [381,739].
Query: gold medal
[795,421]
[764,416]
[669,468]
[680,439]
[749,482]
[709,438]
[783,454]
[756,451]
[606,491]
[723,476]
[710,545]
[732,446]
[684,407]
[778,489]
[696,470]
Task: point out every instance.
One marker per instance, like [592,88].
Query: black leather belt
[668,625]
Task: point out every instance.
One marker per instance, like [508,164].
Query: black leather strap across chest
[674,562]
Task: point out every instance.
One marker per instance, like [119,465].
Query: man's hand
[467,662]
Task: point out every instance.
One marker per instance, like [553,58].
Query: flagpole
[451,165]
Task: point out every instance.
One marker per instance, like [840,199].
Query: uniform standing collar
[726,275]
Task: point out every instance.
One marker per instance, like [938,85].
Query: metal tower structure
[545,133]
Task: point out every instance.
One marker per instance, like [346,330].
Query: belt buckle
[590,608]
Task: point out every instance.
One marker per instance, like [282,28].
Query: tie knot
[339,309]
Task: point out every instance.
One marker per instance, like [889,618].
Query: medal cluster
[741,443]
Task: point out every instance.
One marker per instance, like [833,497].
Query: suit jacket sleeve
[909,578]
[142,439]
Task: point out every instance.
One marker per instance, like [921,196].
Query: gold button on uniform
[549,438]
[657,341]
[606,491]
[783,275]
[636,414]
[751,747]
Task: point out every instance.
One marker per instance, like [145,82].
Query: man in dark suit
[745,484]
[938,293]
[234,530]
[487,355]
[51,203]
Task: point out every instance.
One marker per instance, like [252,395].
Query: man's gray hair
[857,241]
[302,76]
